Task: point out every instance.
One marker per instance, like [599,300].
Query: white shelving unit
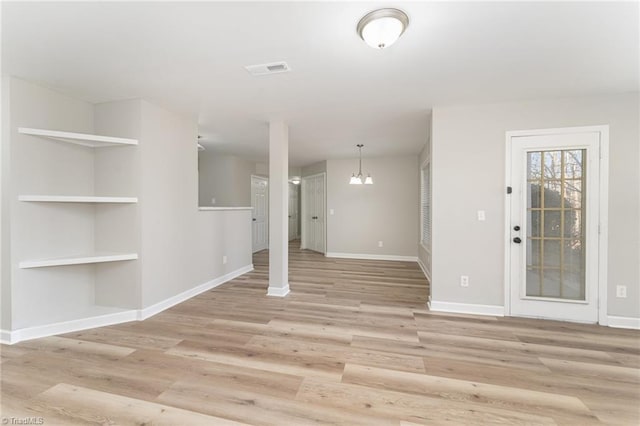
[77,260]
[76,199]
[92,141]
[89,141]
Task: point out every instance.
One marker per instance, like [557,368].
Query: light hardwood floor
[352,344]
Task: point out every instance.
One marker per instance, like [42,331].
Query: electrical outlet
[379,243]
[213,201]
[331,212]
[481,215]
[224,260]
[621,291]
[464,281]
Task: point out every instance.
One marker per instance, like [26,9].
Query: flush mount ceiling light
[381,28]
[357,180]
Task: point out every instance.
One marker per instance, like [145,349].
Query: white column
[278,209]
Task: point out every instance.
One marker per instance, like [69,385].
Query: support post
[278,209]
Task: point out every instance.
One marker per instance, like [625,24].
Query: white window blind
[426,205]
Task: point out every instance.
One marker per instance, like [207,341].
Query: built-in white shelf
[204,209]
[93,141]
[78,260]
[76,199]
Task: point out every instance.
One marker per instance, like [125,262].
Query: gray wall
[468,174]
[227,178]
[179,246]
[314,169]
[41,230]
[424,252]
[386,211]
[5,240]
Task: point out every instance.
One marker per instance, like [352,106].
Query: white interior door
[294,214]
[260,220]
[554,218]
[313,204]
[319,221]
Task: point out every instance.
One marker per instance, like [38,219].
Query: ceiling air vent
[265,69]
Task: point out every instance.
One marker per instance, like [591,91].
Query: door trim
[603,207]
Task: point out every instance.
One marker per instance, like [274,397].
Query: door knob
[516,228]
[254,219]
[517,240]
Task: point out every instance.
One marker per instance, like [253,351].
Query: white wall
[386,211]
[468,152]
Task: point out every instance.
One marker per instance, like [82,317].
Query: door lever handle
[517,240]
[254,219]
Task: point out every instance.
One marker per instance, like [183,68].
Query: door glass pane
[533,195]
[552,195]
[552,164]
[552,222]
[533,227]
[555,224]
[573,193]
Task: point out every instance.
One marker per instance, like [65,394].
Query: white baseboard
[372,256]
[624,322]
[11,337]
[424,270]
[156,308]
[466,308]
[5,337]
[69,326]
[278,291]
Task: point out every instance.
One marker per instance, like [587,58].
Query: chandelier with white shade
[358,179]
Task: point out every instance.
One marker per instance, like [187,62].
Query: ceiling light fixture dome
[383,27]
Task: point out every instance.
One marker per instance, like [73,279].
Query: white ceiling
[190,57]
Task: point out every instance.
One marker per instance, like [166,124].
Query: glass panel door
[554,214]
[555,255]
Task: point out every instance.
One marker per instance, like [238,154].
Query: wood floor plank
[78,405]
[588,369]
[216,374]
[259,409]
[562,408]
[81,349]
[411,407]
[296,364]
[338,352]
[517,347]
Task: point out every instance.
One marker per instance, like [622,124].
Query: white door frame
[603,207]
[303,196]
